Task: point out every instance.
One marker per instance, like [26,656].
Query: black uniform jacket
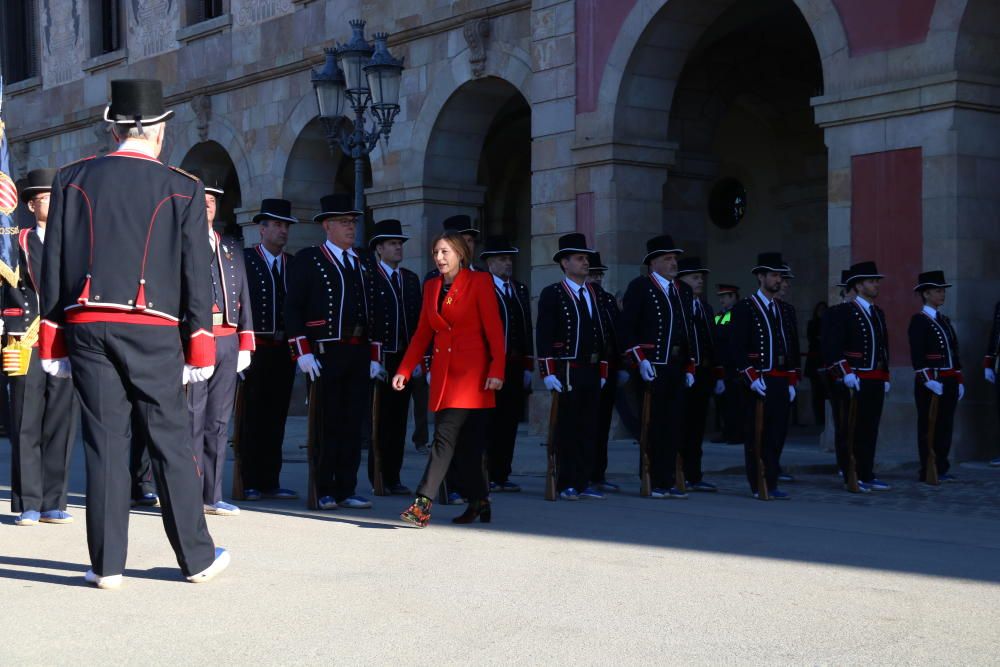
[610,311]
[753,342]
[647,323]
[993,346]
[522,301]
[704,344]
[20,304]
[388,328]
[557,331]
[125,242]
[236,311]
[934,347]
[267,319]
[314,306]
[856,342]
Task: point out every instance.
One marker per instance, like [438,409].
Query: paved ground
[907,577]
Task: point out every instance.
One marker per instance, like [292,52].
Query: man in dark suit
[617,376]
[395,315]
[44,410]
[113,295]
[267,384]
[514,304]
[730,401]
[330,327]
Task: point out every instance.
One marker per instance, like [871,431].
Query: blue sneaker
[675,494]
[878,485]
[252,495]
[355,503]
[56,516]
[608,487]
[659,493]
[27,518]
[494,487]
[591,493]
[327,503]
[863,487]
[148,500]
[703,487]
[455,498]
[569,494]
[280,494]
[778,494]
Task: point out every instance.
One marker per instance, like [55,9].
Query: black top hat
[136,102]
[385,230]
[660,245]
[690,265]
[339,203]
[571,244]
[770,261]
[787,273]
[861,271]
[275,209]
[929,279]
[461,224]
[844,274]
[596,265]
[211,187]
[498,245]
[38,180]
[723,288]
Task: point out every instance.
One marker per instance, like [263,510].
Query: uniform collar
[573,287]
[40,231]
[861,301]
[268,257]
[137,146]
[763,297]
[339,252]
[930,312]
[388,269]
[500,282]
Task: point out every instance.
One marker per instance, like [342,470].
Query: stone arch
[222,133]
[213,164]
[977,43]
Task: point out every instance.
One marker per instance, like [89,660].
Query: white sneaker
[220,563]
[222,508]
[109,582]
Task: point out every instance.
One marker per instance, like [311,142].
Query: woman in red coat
[460,315]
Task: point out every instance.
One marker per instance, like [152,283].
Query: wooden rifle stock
[758,440]
[932,415]
[852,421]
[645,481]
[550,449]
[313,444]
[378,480]
[238,401]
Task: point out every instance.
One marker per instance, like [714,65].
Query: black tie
[395,283]
[583,301]
[506,289]
[279,294]
[347,261]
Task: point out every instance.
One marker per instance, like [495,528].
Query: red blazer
[468,341]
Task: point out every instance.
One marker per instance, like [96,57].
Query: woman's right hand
[398,382]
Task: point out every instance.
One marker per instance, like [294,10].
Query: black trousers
[267,391]
[839,407]
[119,369]
[393,409]
[733,409]
[695,413]
[666,424]
[870,400]
[419,391]
[140,466]
[947,404]
[459,434]
[609,397]
[344,384]
[211,406]
[576,427]
[776,409]
[44,413]
[504,419]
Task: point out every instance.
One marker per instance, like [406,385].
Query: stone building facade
[858,129]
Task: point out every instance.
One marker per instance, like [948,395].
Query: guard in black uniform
[267,384]
[761,344]
[126,261]
[790,318]
[938,368]
[856,354]
[709,375]
[990,361]
[617,375]
[397,309]
[44,410]
[514,303]
[835,384]
[569,337]
[328,317]
[211,402]
[729,402]
[656,333]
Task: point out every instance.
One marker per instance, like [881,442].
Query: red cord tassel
[85,292]
[140,297]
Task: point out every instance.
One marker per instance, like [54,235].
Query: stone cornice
[658,155]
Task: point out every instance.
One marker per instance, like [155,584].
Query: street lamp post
[366,77]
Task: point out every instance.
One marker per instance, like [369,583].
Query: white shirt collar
[268,257]
[931,312]
[863,303]
[211,240]
[338,252]
[763,297]
[388,269]
[41,233]
[575,291]
[136,146]
[500,282]
[663,281]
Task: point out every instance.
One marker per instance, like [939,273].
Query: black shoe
[421,449]
[399,490]
[476,510]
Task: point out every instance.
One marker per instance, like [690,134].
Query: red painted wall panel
[597,25]
[887,226]
[880,25]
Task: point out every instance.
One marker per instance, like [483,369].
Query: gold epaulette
[185,173]
[83,159]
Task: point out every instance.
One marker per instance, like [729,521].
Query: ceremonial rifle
[932,415]
[852,422]
[378,481]
[644,474]
[550,449]
[758,440]
[313,444]
[237,491]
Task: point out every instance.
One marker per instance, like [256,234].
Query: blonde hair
[457,243]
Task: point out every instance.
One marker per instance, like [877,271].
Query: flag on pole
[8,203]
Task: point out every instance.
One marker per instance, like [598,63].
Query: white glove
[59,368]
[309,365]
[604,381]
[991,376]
[646,370]
[623,377]
[689,380]
[527,379]
[1,327]
[186,375]
[242,360]
[935,386]
[759,386]
[887,387]
[961,391]
[198,373]
[552,383]
[791,394]
[428,376]
[852,381]
[376,371]
[418,370]
[720,387]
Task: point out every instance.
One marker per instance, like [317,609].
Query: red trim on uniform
[134,154]
[51,341]
[690,367]
[604,370]
[790,375]
[92,314]
[988,360]
[140,299]
[223,330]
[248,342]
[719,373]
[876,374]
[201,349]
[13,312]
[90,222]
[529,364]
[300,346]
[751,373]
[637,352]
[375,350]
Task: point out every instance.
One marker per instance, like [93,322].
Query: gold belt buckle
[781,360]
[357,332]
[594,358]
[218,319]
